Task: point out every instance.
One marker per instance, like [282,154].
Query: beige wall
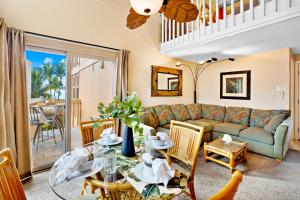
[95,85]
[102,23]
[268,70]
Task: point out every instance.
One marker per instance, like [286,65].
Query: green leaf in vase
[151,190]
[132,176]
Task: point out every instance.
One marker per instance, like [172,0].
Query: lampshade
[146,7]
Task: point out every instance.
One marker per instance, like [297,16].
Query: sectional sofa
[267,132]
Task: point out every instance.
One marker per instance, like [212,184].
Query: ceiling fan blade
[181,11]
[135,20]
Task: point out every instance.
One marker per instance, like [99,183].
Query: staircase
[230,24]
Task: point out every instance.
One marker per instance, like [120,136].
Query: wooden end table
[235,151]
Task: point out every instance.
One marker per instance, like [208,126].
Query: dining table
[70,189]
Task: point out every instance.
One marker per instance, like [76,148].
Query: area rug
[264,179]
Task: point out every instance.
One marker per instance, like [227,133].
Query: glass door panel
[92,82]
[46,72]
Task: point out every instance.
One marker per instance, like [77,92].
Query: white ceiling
[284,34]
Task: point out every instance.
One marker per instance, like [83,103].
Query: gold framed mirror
[166,81]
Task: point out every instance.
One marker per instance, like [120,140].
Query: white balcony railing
[220,18]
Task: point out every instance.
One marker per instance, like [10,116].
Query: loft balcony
[234,28]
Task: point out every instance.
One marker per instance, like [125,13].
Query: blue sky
[39,58]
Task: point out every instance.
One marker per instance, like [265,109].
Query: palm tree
[48,72]
[60,72]
[47,81]
[37,83]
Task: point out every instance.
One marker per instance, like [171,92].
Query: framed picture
[173,84]
[235,85]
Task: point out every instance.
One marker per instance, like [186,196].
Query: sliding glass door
[46,75]
[66,81]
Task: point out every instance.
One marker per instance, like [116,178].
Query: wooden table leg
[232,163]
[204,152]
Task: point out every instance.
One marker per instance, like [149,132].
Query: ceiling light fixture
[146,7]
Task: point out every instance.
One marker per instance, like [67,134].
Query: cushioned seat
[257,134]
[167,126]
[210,121]
[207,126]
[164,130]
[229,128]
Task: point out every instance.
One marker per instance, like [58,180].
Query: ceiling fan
[178,10]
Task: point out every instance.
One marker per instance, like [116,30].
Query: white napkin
[147,157]
[68,164]
[227,139]
[106,132]
[162,171]
[163,136]
[109,135]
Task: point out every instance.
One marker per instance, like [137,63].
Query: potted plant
[130,112]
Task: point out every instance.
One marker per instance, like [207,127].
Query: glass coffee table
[236,152]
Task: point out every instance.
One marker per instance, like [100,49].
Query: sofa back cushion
[274,123]
[164,114]
[149,117]
[213,112]
[238,115]
[260,118]
[194,110]
[180,112]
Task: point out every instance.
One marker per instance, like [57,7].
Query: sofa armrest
[282,139]
[148,130]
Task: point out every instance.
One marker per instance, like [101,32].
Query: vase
[128,143]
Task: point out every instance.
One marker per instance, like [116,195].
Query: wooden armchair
[229,190]
[90,134]
[11,187]
[112,191]
[187,140]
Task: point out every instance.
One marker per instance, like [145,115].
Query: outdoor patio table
[125,166]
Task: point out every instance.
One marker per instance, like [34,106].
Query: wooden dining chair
[90,134]
[229,190]
[187,140]
[11,187]
[112,191]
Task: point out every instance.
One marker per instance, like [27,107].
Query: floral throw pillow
[180,112]
[164,114]
[213,112]
[259,118]
[149,117]
[238,115]
[194,110]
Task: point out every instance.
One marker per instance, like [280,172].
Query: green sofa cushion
[167,126]
[257,134]
[180,112]
[164,114]
[194,110]
[207,126]
[163,130]
[213,112]
[260,118]
[210,121]
[238,115]
[229,128]
[149,117]
[274,123]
